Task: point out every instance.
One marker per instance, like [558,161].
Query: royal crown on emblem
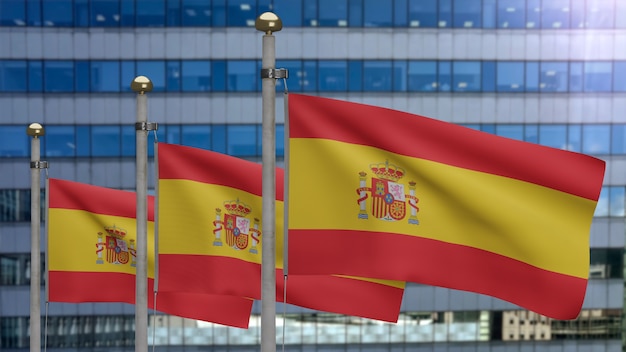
[387,171]
[115,231]
[236,207]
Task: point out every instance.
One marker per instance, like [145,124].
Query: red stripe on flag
[209,274]
[464,268]
[81,287]
[98,200]
[425,138]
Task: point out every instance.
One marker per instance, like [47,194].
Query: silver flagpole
[35,130]
[142,85]
[268,23]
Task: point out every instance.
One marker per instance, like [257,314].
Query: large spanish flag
[210,230]
[381,193]
[91,256]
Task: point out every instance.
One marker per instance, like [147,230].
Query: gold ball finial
[35,129]
[141,84]
[268,23]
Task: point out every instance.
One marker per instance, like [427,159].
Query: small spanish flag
[92,257]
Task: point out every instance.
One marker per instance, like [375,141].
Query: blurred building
[548,72]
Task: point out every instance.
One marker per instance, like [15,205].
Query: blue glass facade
[466,14]
[547,72]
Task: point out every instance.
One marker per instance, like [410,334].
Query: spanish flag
[92,257]
[381,193]
[210,230]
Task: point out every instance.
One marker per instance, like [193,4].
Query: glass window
[127,10]
[533,13]
[81,76]
[155,70]
[400,13]
[602,208]
[620,14]
[218,72]
[13,141]
[57,13]
[466,76]
[309,72]
[596,139]
[280,140]
[467,13]
[574,138]
[510,131]
[355,13]
[172,134]
[58,76]
[173,77]
[577,14]
[128,75]
[241,140]
[241,75]
[553,77]
[445,13]
[60,141]
[219,13]
[489,13]
[555,14]
[105,76]
[310,13]
[598,77]
[489,76]
[377,76]
[355,76]
[422,76]
[196,76]
[554,136]
[333,13]
[13,77]
[289,11]
[105,13]
[423,13]
[619,76]
[129,143]
[150,13]
[600,14]
[12,13]
[532,76]
[617,198]
[81,13]
[445,76]
[399,75]
[106,141]
[198,136]
[241,13]
[173,13]
[510,76]
[511,13]
[531,133]
[618,139]
[33,12]
[218,136]
[377,13]
[196,13]
[35,76]
[83,140]
[576,76]
[333,76]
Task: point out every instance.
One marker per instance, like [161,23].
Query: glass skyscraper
[551,72]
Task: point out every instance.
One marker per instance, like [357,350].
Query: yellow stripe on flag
[82,246]
[456,205]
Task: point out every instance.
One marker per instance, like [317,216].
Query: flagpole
[268,23]
[142,85]
[35,130]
